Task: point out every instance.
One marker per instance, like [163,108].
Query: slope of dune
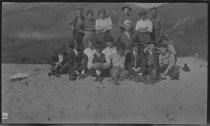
[45,99]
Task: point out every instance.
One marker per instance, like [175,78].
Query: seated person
[77,62]
[98,61]
[117,64]
[110,49]
[59,63]
[167,64]
[164,42]
[89,52]
[150,65]
[134,62]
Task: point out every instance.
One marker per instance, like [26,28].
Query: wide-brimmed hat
[79,8]
[126,7]
[102,10]
[89,11]
[142,12]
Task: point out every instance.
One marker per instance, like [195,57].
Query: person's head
[154,11]
[61,50]
[163,40]
[151,47]
[126,10]
[163,50]
[102,13]
[79,11]
[143,14]
[135,46]
[73,44]
[109,41]
[90,14]
[121,49]
[98,47]
[90,43]
[128,25]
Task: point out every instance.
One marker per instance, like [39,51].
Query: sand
[44,99]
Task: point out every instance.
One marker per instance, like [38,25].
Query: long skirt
[89,35]
[77,36]
[145,38]
[101,37]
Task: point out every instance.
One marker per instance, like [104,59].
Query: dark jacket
[130,60]
[75,61]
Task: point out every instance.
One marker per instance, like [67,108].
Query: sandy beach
[44,99]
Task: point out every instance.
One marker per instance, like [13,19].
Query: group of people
[141,52]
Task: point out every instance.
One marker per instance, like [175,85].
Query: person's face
[121,52]
[98,51]
[126,11]
[109,44]
[143,16]
[154,12]
[101,15]
[90,44]
[135,48]
[164,41]
[75,45]
[128,26]
[163,51]
[89,16]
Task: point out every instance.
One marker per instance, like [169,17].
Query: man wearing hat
[78,26]
[128,35]
[89,29]
[157,25]
[134,61]
[126,16]
[144,28]
[103,26]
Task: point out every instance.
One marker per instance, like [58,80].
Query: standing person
[117,64]
[144,28]
[77,62]
[157,25]
[127,36]
[126,16]
[78,27]
[167,65]
[103,26]
[89,29]
[135,61]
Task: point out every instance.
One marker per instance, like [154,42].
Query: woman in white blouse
[144,28]
[103,26]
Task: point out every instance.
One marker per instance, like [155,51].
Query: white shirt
[75,51]
[103,24]
[108,52]
[90,53]
[60,58]
[141,25]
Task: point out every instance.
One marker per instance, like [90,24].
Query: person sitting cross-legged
[97,62]
[117,64]
[77,62]
[134,62]
[167,64]
[59,63]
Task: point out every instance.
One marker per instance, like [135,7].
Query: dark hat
[126,7]
[98,45]
[79,8]
[109,39]
[121,46]
[142,12]
[102,10]
[89,11]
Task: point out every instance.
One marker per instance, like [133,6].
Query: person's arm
[171,63]
[108,62]
[150,27]
[160,60]
[109,27]
[172,49]
[137,26]
[97,25]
